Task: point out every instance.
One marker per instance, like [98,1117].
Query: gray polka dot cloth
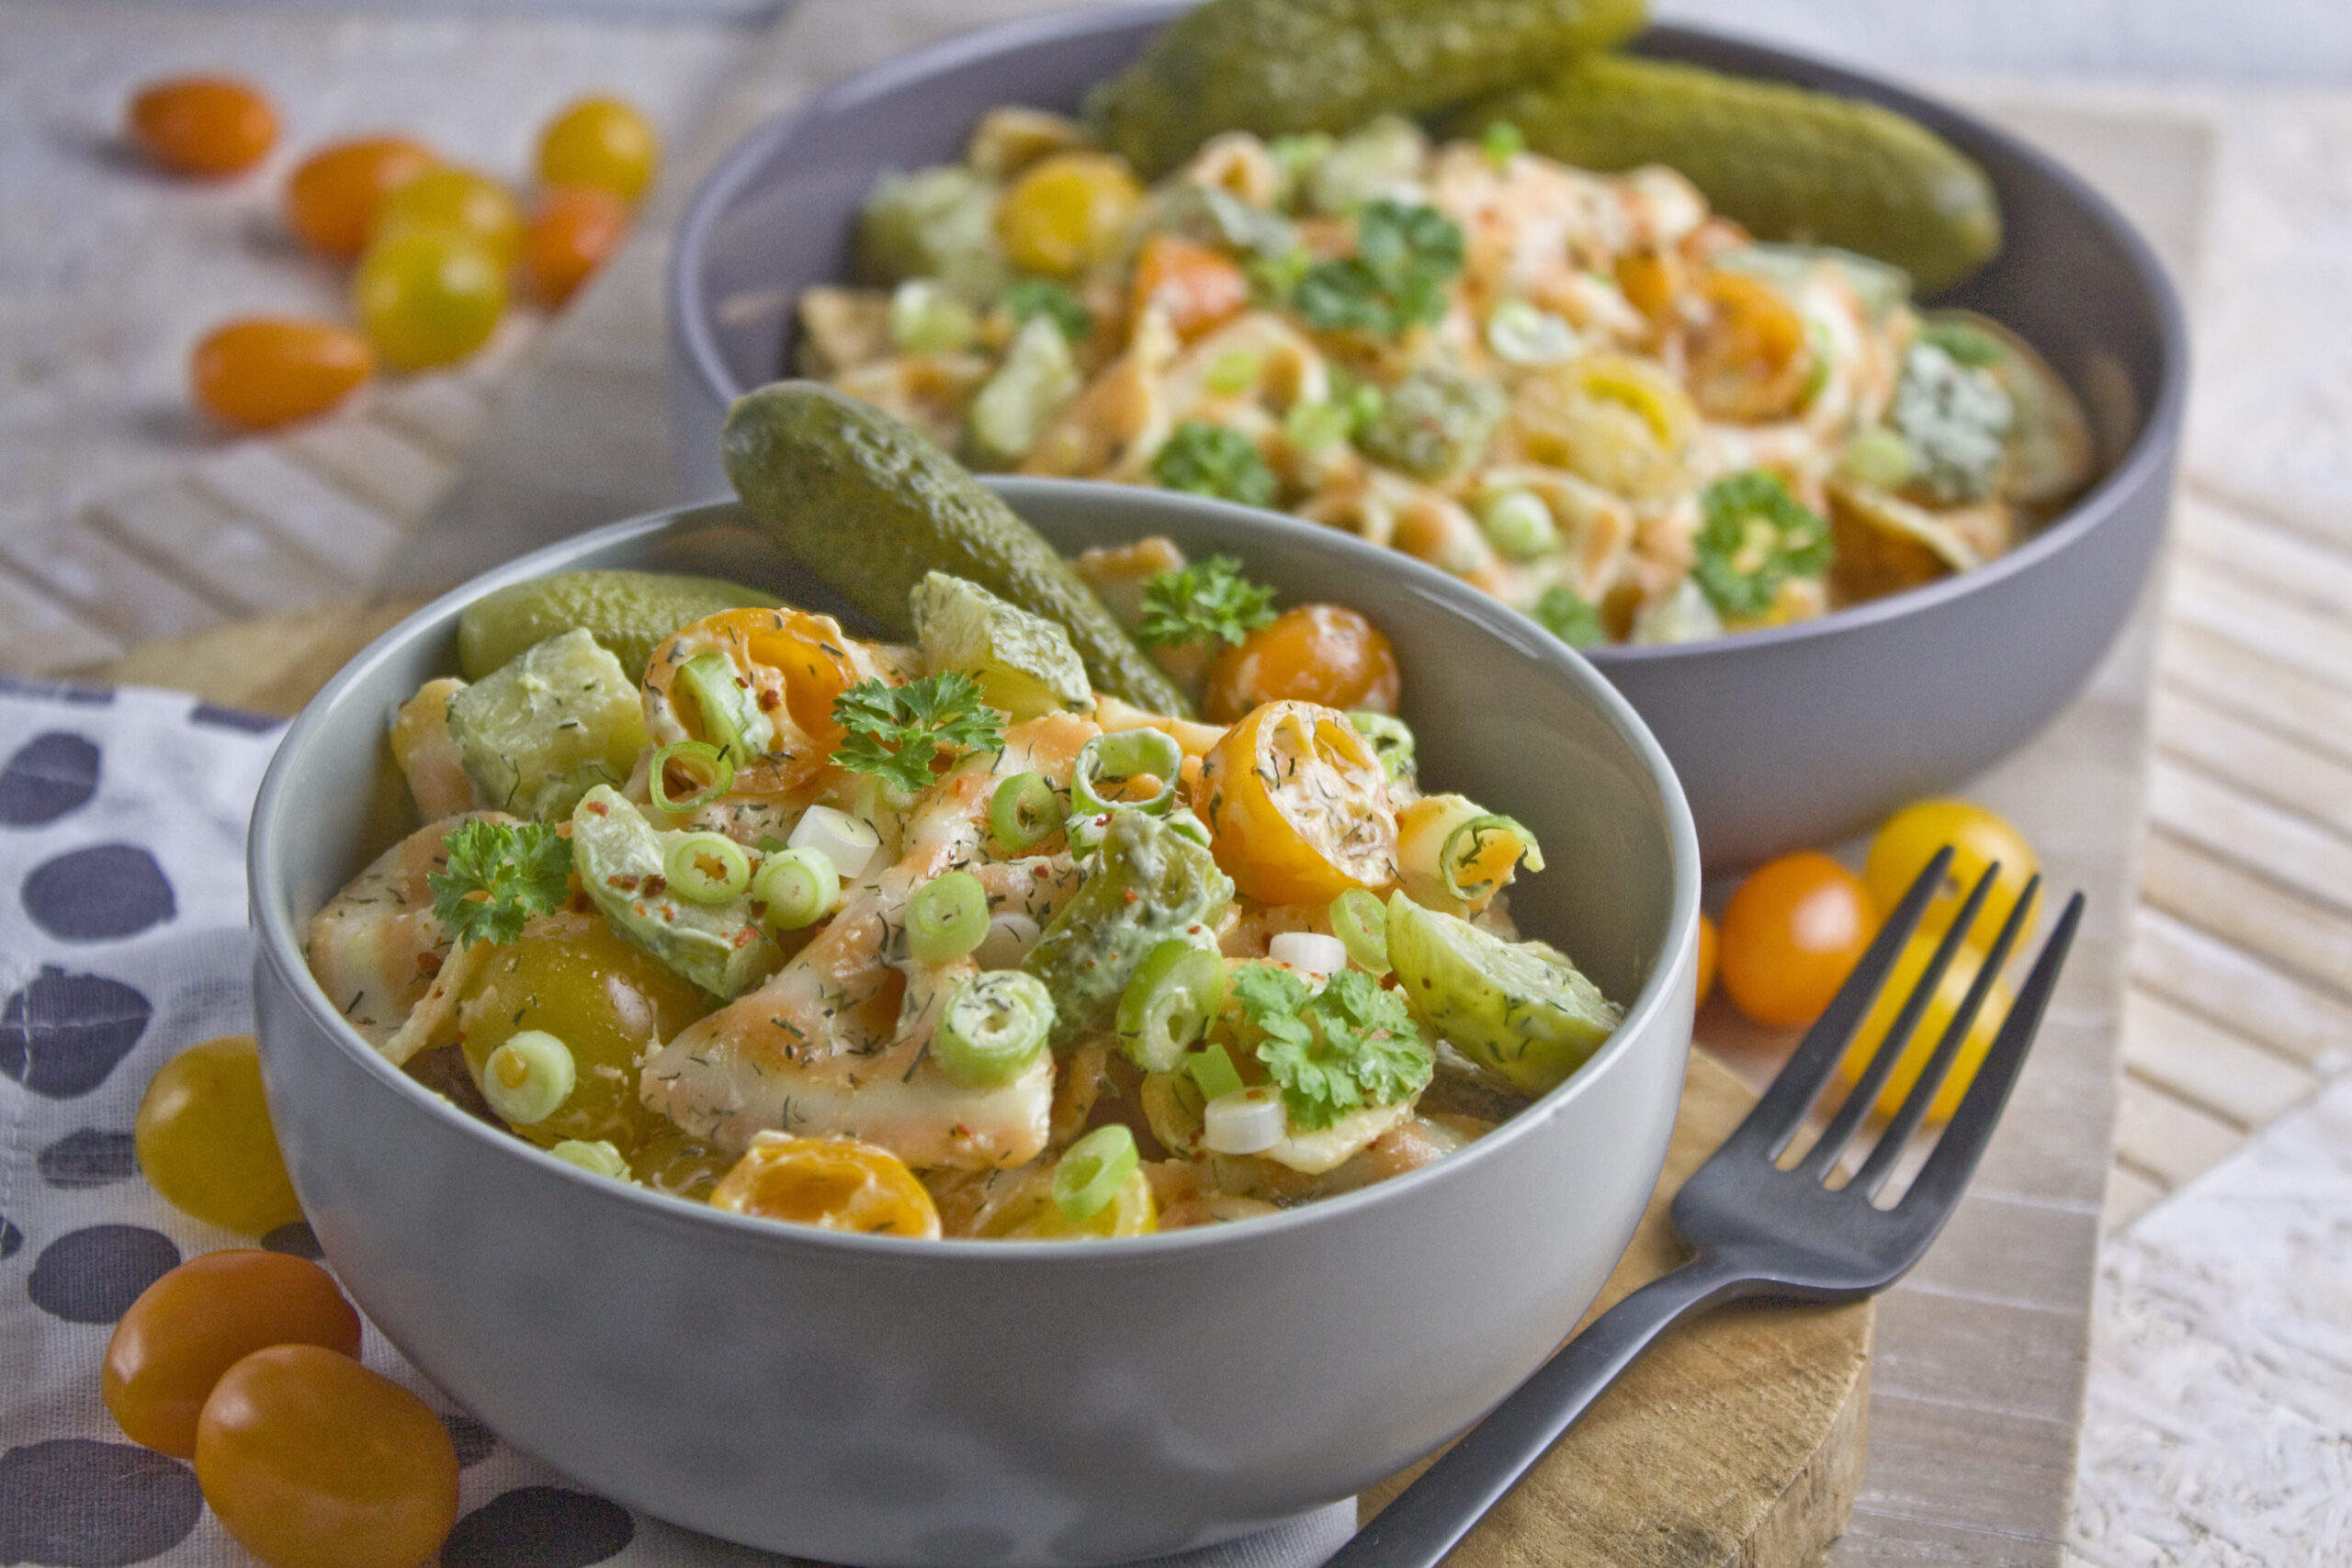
[123,940]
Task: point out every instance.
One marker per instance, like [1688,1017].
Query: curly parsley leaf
[498,876]
[1208,460]
[1570,616]
[1405,254]
[1350,1046]
[1756,537]
[896,732]
[1210,602]
[1036,296]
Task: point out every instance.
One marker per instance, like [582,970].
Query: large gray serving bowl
[866,1400]
[1783,737]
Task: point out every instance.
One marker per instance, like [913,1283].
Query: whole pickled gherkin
[1788,163]
[1152,883]
[630,612]
[871,506]
[1271,66]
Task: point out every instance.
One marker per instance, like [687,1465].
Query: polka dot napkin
[123,940]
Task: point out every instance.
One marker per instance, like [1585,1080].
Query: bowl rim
[280,946]
[2143,461]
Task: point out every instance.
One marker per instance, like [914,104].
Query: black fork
[1760,1230]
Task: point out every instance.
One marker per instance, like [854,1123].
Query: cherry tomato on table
[311,1461]
[265,371]
[460,201]
[331,196]
[573,233]
[1316,653]
[204,1139]
[206,126]
[600,143]
[1708,943]
[202,1318]
[1911,838]
[1942,1007]
[1791,935]
[427,297]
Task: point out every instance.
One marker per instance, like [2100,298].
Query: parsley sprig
[1757,536]
[1210,602]
[1345,1047]
[896,732]
[1201,458]
[1405,254]
[1029,295]
[499,875]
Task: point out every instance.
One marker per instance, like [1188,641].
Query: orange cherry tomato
[1707,943]
[835,1184]
[571,234]
[1942,1007]
[602,143]
[1316,653]
[266,371]
[311,1461]
[332,196]
[1791,935]
[202,1318]
[1978,839]
[1197,286]
[1299,806]
[206,125]
[205,1142]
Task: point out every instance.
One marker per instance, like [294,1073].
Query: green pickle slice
[1521,1007]
[631,613]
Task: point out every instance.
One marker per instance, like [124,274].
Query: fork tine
[1777,1116]
[1954,1160]
[1820,1159]
[1914,1109]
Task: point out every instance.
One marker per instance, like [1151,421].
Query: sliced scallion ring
[731,719]
[1123,755]
[1170,1003]
[946,918]
[798,887]
[1466,846]
[1246,1122]
[706,868]
[599,1157]
[1092,1170]
[1024,812]
[993,1027]
[1392,742]
[1360,922]
[1213,1070]
[688,773]
[1190,826]
[528,1077]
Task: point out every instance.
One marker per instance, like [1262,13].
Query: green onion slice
[706,868]
[1092,1170]
[1172,999]
[993,1027]
[689,774]
[1188,825]
[1213,1070]
[1392,742]
[1024,812]
[528,1077]
[731,719]
[798,888]
[599,1157]
[1360,922]
[1467,842]
[946,918]
[1122,756]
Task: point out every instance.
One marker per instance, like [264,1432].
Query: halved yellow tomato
[1299,806]
[1749,356]
[791,665]
[835,1184]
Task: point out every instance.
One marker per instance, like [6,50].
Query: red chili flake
[599,808]
[1130,895]
[770,699]
[624,880]
[428,964]
[656,885]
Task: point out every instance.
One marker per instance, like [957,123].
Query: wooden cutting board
[1738,1440]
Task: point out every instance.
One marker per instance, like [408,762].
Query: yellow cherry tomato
[311,1461]
[1910,839]
[1951,991]
[601,142]
[206,125]
[1298,807]
[204,1139]
[1748,353]
[265,371]
[573,232]
[1707,948]
[835,1184]
[458,199]
[1791,935]
[332,196]
[1067,212]
[1033,1215]
[428,297]
[1315,653]
[572,976]
[202,1318]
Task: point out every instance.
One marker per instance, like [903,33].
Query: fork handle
[1438,1508]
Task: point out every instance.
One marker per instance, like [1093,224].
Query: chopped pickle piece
[621,858]
[1024,663]
[1521,1007]
[542,730]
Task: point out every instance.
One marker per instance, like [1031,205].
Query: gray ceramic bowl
[1782,738]
[865,1400]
